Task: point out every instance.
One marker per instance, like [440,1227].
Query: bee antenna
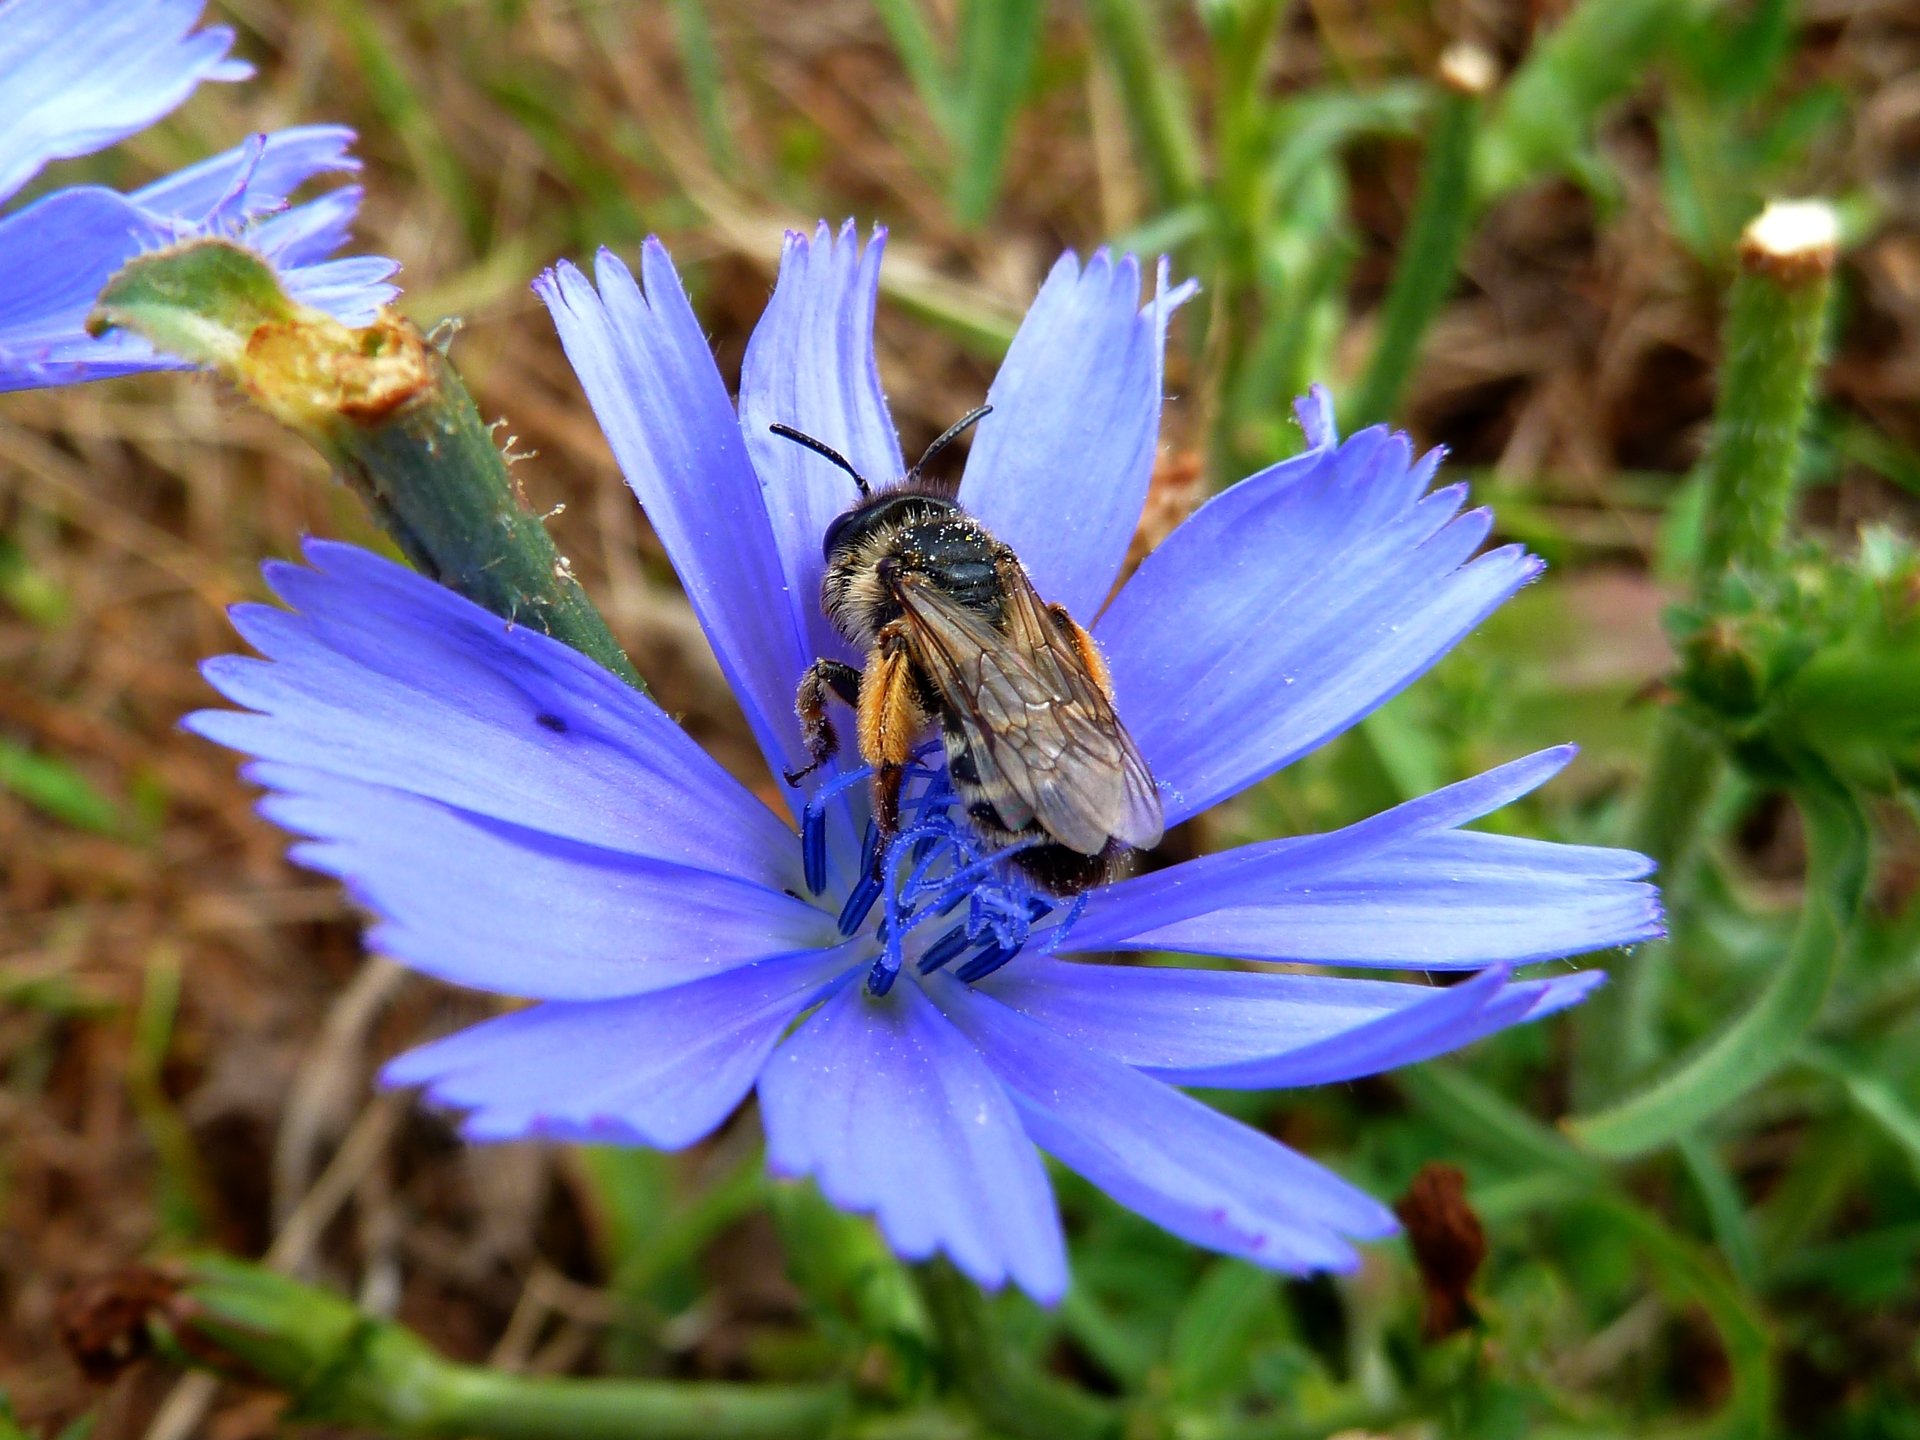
[952,433]
[820,447]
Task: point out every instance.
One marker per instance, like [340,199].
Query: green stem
[483,1402]
[1763,1038]
[1159,112]
[1242,42]
[385,407]
[343,1367]
[1443,213]
[1624,1021]
[433,477]
[1776,318]
[1010,1398]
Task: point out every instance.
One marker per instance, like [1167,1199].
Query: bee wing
[1041,729]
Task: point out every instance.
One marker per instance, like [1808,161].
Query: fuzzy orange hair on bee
[954,632]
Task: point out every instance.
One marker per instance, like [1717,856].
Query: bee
[954,631]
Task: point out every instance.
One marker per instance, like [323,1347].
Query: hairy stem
[1443,213]
[384,406]
[1009,1397]
[341,1366]
[1775,318]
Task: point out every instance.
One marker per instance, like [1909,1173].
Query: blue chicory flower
[79,75]
[522,822]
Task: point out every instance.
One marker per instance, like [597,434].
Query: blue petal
[646,368]
[58,252]
[891,1110]
[663,1069]
[1315,412]
[78,75]
[254,177]
[382,676]
[1402,888]
[1230,1028]
[810,365]
[1060,469]
[1187,1168]
[1291,607]
[1446,902]
[518,912]
[352,289]
[1248,872]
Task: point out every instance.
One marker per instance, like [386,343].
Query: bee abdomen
[1061,870]
[963,769]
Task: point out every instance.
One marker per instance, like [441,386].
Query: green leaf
[56,788]
[700,63]
[999,41]
[1873,1096]
[1215,1330]
[1544,121]
[1726,1210]
[1762,1038]
[201,300]
[1158,109]
[913,40]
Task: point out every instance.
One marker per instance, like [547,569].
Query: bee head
[899,501]
[891,507]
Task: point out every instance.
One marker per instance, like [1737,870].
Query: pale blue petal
[1060,469]
[252,178]
[810,365]
[1186,1167]
[1290,608]
[1232,1028]
[380,675]
[1252,873]
[1445,902]
[518,912]
[79,75]
[885,1105]
[58,252]
[662,1069]
[644,363]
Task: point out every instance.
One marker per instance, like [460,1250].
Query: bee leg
[1096,663]
[891,716]
[811,704]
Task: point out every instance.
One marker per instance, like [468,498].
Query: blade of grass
[1872,1096]
[1443,214]
[1545,119]
[1726,1210]
[1158,108]
[1762,1039]
[999,42]
[700,62]
[919,52]
[55,788]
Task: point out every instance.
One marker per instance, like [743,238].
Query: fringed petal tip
[1315,413]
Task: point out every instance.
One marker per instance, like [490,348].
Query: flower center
[935,868]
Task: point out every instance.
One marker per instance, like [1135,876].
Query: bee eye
[834,532]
